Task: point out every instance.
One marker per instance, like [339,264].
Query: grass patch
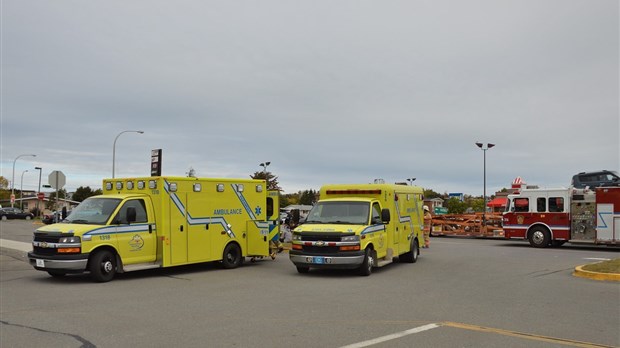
[611,266]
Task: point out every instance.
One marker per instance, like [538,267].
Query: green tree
[272,180]
[455,206]
[430,194]
[4,183]
[84,192]
[308,197]
[477,204]
[51,204]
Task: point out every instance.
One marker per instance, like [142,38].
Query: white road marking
[392,336]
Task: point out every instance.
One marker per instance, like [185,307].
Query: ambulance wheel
[102,266]
[412,255]
[539,237]
[232,257]
[369,262]
[303,269]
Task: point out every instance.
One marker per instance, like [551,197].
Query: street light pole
[264,165]
[39,191]
[484,151]
[13,178]
[114,148]
[21,191]
[411,180]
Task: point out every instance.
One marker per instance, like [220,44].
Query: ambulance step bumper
[327,261]
[67,263]
[141,266]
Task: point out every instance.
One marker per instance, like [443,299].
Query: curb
[582,273]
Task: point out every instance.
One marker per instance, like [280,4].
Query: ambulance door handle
[150,229]
[181,228]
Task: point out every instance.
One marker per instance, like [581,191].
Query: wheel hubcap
[538,237]
[107,266]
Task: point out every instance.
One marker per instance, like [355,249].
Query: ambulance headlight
[69,240]
[297,236]
[350,239]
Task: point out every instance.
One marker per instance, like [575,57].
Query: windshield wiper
[76,221]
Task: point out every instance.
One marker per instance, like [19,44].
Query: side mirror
[385,216]
[131,214]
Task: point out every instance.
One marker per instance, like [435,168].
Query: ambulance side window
[376,213]
[541,204]
[140,207]
[269,206]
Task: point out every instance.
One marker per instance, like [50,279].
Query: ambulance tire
[412,255]
[102,266]
[369,262]
[539,237]
[232,257]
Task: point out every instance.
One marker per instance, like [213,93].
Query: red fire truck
[552,217]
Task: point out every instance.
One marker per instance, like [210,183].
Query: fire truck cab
[552,217]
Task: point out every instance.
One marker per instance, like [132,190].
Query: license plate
[318,260]
[40,263]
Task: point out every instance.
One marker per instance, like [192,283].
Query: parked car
[54,217]
[603,178]
[15,213]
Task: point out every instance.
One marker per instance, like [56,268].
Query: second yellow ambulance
[360,226]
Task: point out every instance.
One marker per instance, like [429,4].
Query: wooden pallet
[470,225]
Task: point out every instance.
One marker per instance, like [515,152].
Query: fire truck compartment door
[607,225]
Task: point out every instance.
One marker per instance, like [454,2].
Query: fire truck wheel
[303,269]
[232,257]
[368,264]
[539,237]
[102,266]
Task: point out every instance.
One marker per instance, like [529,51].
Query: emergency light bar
[353,192]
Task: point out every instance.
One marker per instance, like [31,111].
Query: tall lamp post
[21,191]
[410,180]
[264,165]
[39,191]
[484,151]
[114,147]
[13,179]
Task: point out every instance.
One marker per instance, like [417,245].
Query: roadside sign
[40,196]
[156,162]
[441,210]
[12,198]
[57,179]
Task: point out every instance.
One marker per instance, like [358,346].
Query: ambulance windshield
[354,213]
[93,211]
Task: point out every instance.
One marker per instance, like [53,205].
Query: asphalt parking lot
[461,293]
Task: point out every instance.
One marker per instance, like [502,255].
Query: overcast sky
[327,91]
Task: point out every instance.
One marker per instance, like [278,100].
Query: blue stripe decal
[218,219]
[196,221]
[118,229]
[373,228]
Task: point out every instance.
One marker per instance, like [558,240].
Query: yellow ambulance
[153,222]
[360,226]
